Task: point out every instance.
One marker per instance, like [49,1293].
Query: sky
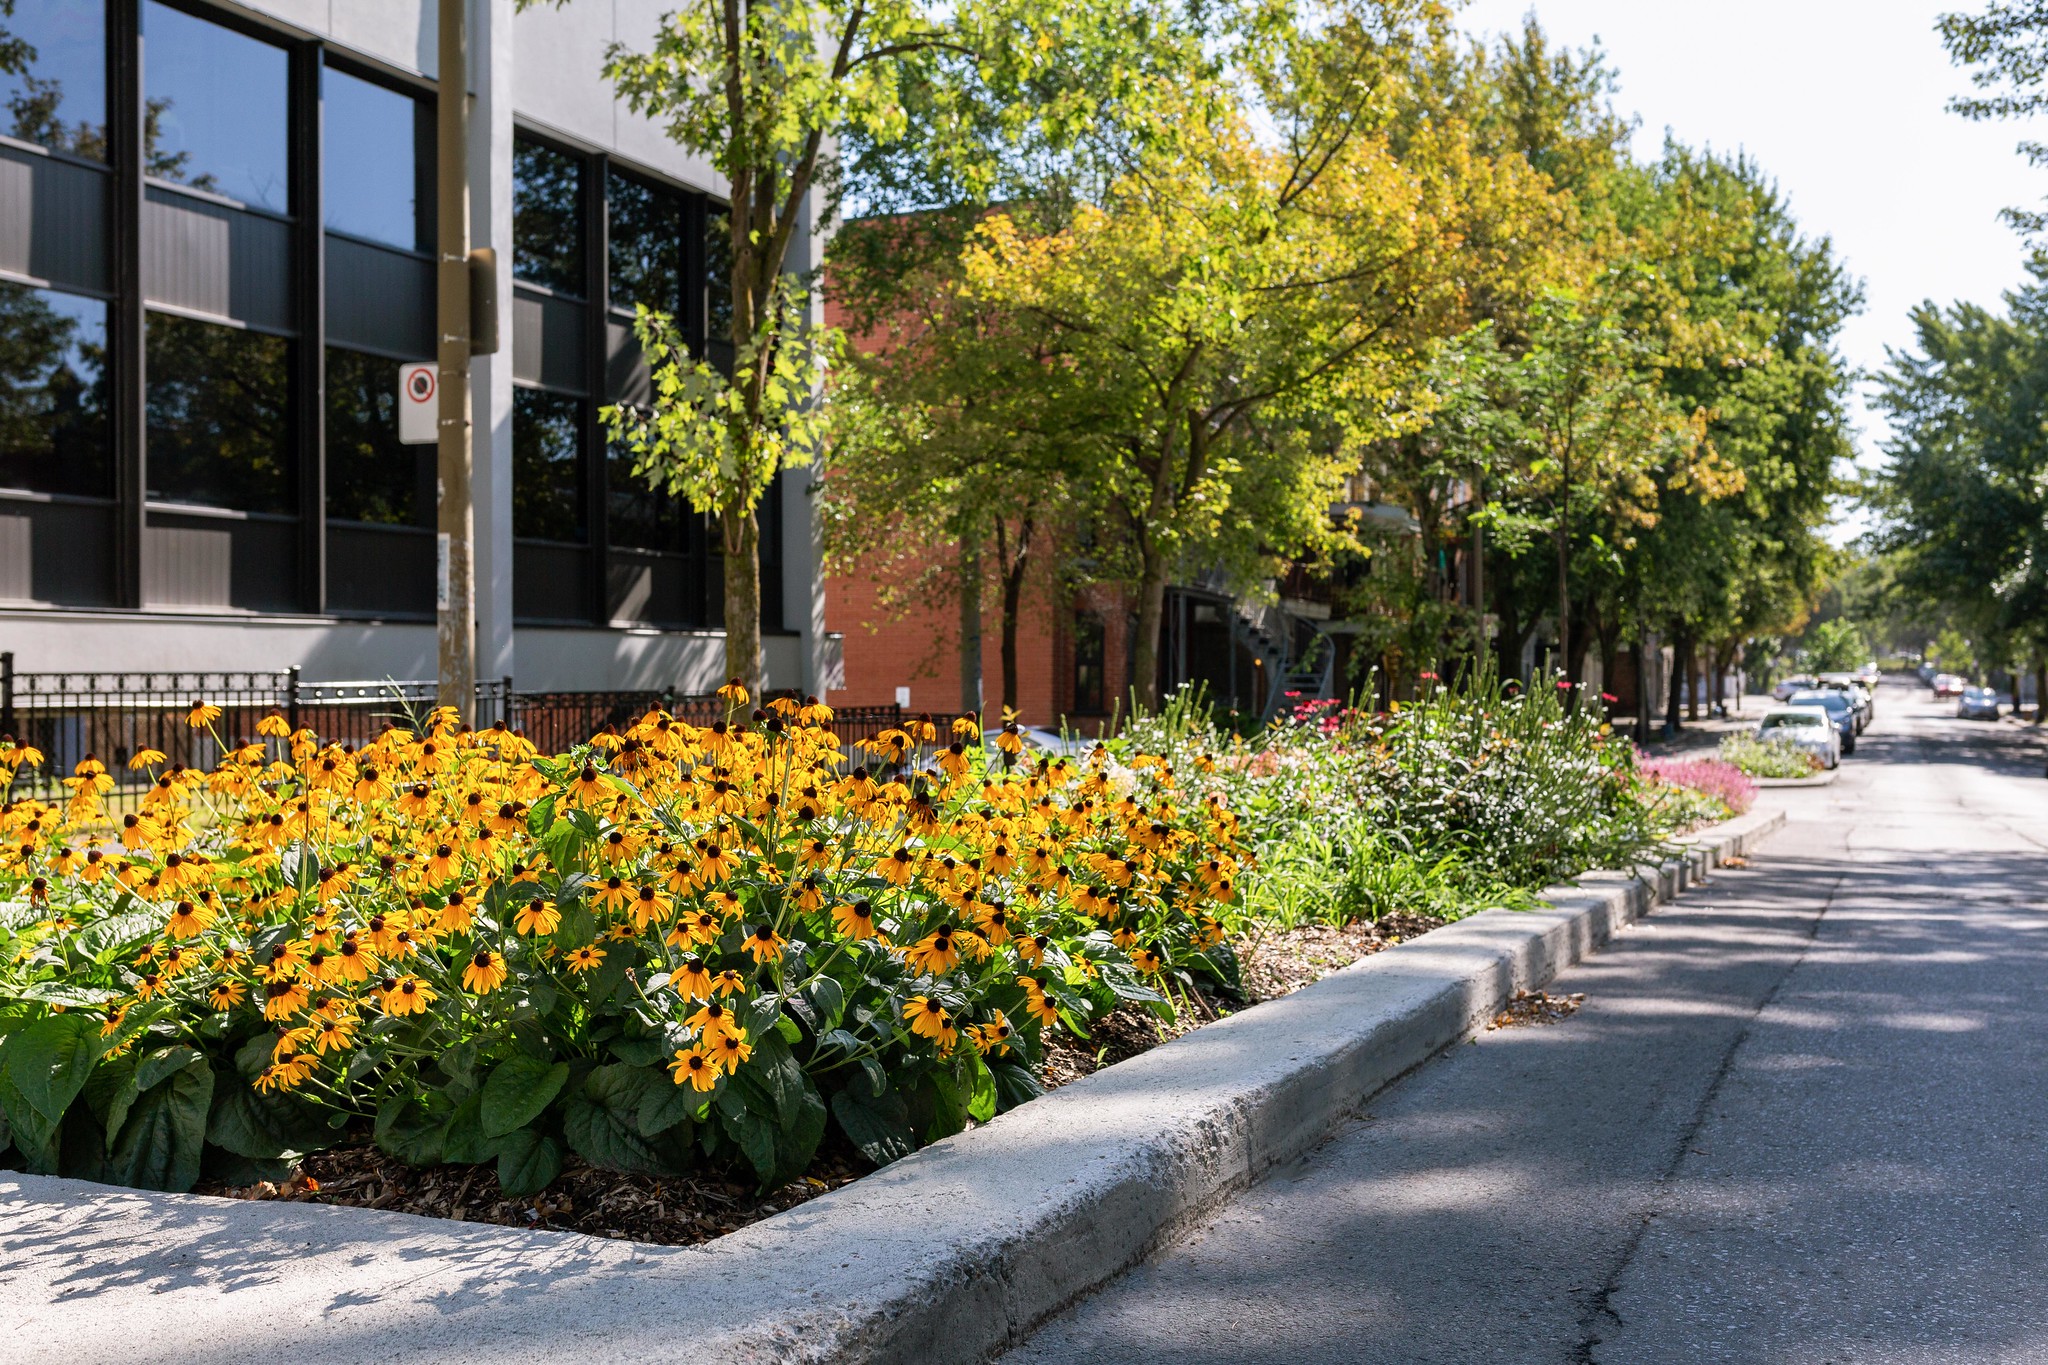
[1844,102]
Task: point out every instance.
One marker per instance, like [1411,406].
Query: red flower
[1609,698]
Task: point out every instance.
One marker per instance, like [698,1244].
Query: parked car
[1839,709]
[1870,676]
[1798,682]
[1978,703]
[1866,706]
[1809,727]
[1948,685]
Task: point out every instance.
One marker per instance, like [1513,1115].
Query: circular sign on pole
[418,412]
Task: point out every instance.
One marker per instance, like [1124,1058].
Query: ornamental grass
[673,945]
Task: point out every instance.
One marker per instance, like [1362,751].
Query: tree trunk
[1575,669]
[1674,711]
[1694,682]
[1608,659]
[742,530]
[2040,687]
[1639,662]
[1151,618]
[1013,571]
[970,624]
[1564,597]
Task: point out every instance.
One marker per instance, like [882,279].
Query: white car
[1809,727]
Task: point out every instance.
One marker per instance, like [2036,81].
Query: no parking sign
[419,406]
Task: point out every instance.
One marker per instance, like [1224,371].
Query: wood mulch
[670,1211]
[1537,1007]
[682,1211]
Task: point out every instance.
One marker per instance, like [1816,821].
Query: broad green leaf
[528,1162]
[880,1127]
[516,1092]
[159,1145]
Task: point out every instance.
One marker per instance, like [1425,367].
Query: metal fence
[115,716]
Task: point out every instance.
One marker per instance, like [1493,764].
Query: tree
[768,93]
[1241,307]
[2006,45]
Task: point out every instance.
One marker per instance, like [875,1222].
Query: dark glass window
[218,415]
[718,274]
[53,392]
[641,518]
[53,74]
[645,230]
[217,108]
[373,139]
[1089,664]
[547,466]
[547,217]
[370,476]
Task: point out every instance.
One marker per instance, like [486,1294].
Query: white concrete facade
[539,70]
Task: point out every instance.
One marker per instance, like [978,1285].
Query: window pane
[370,476]
[370,143]
[641,518]
[53,392]
[216,108]
[218,415]
[53,74]
[718,274]
[547,466]
[646,234]
[547,218]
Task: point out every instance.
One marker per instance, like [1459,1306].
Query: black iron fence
[115,716]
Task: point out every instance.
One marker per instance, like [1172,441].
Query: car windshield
[1831,700]
[1785,722]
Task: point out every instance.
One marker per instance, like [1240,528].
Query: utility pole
[455,588]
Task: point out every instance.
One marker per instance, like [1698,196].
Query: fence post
[6,692]
[291,698]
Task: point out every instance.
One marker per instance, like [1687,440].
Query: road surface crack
[1600,1317]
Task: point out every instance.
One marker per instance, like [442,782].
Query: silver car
[1978,703]
[1809,727]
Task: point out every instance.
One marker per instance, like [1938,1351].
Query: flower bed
[1698,791]
[1773,758]
[614,990]
[672,947]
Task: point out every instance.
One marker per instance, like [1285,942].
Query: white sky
[1843,101]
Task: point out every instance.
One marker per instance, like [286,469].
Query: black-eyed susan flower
[484,973]
[730,1049]
[692,979]
[927,1018]
[406,995]
[713,1020]
[538,917]
[764,943]
[855,920]
[586,959]
[202,714]
[696,1067]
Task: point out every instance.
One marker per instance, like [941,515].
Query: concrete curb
[950,1255]
[1824,779]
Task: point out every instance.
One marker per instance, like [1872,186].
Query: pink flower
[1609,698]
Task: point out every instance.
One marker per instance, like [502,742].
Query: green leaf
[662,1107]
[463,1140]
[49,1061]
[601,1119]
[828,998]
[1014,1083]
[879,1126]
[262,1127]
[528,1162]
[981,1100]
[518,1089]
[755,1136]
[148,1071]
[159,1145]
[412,1129]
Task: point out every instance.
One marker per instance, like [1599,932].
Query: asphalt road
[1801,1117]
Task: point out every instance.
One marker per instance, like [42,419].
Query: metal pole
[1478,579]
[455,588]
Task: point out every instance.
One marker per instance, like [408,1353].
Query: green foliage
[1835,646]
[1768,757]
